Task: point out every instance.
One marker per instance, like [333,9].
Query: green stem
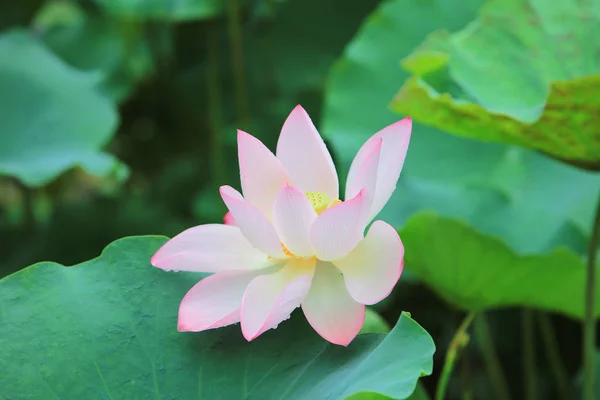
[484,337]
[218,164]
[465,377]
[528,355]
[459,341]
[559,372]
[27,194]
[239,77]
[589,329]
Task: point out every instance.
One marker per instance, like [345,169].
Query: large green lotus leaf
[51,116]
[112,48]
[181,10]
[107,328]
[374,323]
[474,271]
[419,394]
[532,202]
[526,72]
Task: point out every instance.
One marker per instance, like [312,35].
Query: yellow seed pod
[319,201]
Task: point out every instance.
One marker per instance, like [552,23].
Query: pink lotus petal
[228,219]
[305,156]
[339,228]
[372,269]
[270,299]
[254,225]
[261,173]
[215,301]
[209,248]
[396,138]
[366,177]
[330,309]
[293,215]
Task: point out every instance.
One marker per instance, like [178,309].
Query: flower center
[286,251]
[320,201]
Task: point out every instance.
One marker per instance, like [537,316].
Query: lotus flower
[290,242]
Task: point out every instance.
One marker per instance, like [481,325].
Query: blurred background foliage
[119,118]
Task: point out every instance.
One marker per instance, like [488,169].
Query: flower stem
[465,376]
[589,325]
[29,221]
[484,337]
[459,341]
[528,345]
[551,350]
[239,77]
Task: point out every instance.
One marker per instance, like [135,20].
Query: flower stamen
[320,201]
[286,251]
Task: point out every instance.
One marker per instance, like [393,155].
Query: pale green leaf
[52,117]
[374,323]
[532,202]
[477,272]
[107,328]
[526,72]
